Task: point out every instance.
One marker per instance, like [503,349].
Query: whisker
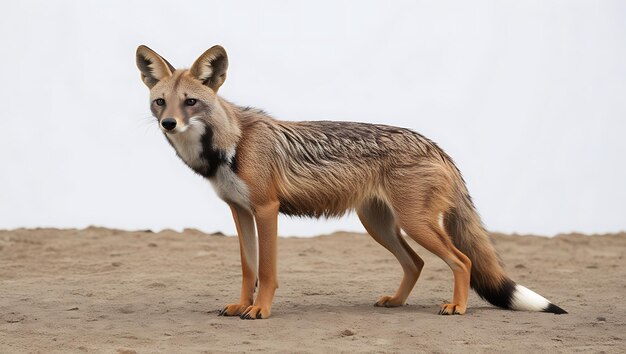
[148,122]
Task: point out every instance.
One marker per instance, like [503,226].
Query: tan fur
[244,222]
[394,178]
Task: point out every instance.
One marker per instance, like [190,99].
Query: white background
[528,97]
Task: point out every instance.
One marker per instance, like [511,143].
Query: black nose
[168,123]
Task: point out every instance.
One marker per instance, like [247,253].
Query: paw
[451,309]
[255,313]
[388,301]
[233,310]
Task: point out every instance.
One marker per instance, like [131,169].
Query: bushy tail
[488,278]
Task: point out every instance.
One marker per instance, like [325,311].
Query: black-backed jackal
[394,178]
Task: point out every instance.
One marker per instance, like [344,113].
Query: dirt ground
[108,291]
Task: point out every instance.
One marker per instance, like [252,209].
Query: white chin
[176,130]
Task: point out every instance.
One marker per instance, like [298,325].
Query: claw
[258,315]
[450,310]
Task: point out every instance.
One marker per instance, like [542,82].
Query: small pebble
[126,351]
[347,333]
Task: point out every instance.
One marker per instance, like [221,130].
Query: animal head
[180,99]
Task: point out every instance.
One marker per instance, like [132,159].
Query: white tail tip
[524,299]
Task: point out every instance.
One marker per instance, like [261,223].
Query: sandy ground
[107,291]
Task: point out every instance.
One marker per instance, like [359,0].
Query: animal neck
[225,125]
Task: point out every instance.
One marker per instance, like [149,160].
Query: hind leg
[379,222]
[431,236]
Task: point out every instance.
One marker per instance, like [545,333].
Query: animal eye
[159,102]
[190,101]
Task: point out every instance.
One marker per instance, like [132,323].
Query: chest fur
[195,148]
[229,187]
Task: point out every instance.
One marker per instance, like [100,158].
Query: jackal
[395,179]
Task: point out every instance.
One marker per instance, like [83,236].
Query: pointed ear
[152,66]
[211,67]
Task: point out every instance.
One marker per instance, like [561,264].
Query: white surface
[527,97]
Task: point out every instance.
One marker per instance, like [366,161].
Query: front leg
[266,217]
[244,221]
